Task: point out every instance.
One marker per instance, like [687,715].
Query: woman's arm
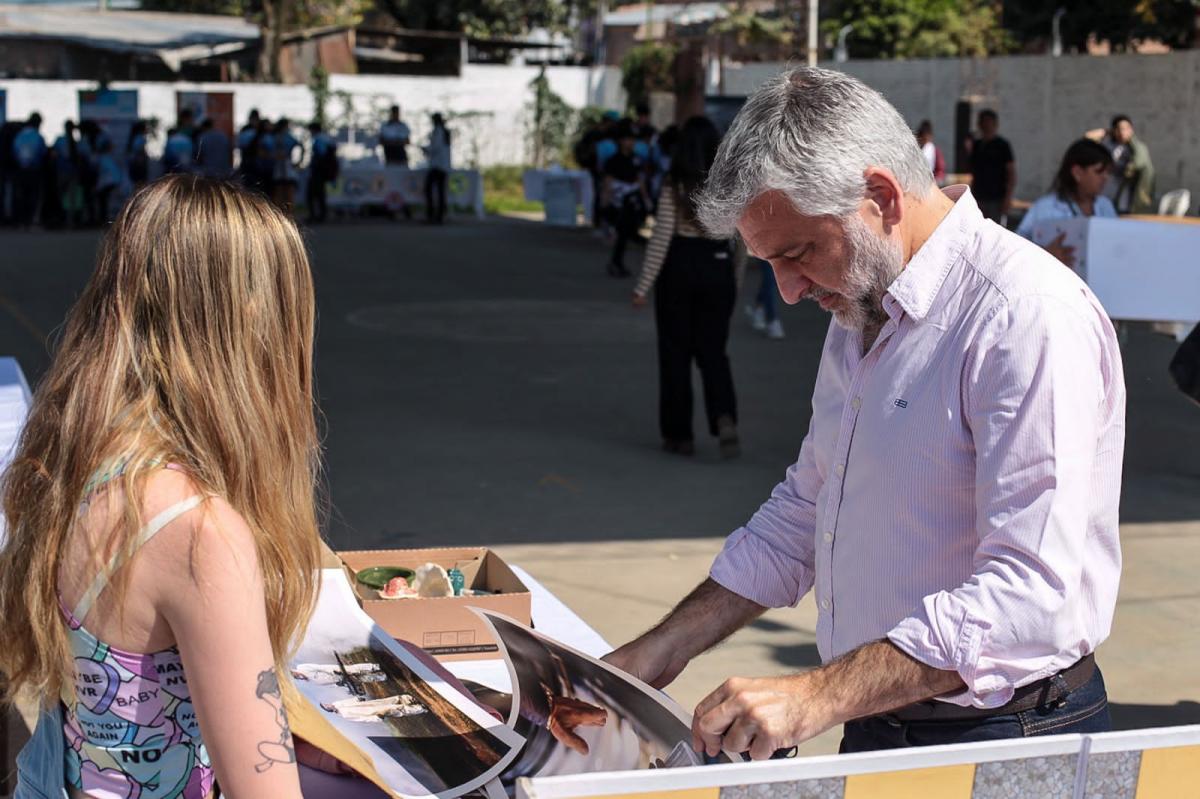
[660,242]
[213,601]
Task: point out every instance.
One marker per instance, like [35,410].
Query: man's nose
[793,286]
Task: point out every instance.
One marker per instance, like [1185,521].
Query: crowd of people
[80,178]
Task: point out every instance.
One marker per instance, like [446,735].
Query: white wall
[1044,103]
[493,98]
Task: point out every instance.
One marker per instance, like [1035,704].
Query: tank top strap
[152,528]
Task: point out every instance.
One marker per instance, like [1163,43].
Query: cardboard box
[443,626]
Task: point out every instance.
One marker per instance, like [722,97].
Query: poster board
[114,110]
[393,187]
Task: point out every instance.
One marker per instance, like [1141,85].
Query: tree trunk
[274,12]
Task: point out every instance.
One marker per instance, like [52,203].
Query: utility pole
[812,33]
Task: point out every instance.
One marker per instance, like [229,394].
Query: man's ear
[883,190]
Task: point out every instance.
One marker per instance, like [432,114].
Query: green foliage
[1118,22]
[478,17]
[297,14]
[503,190]
[549,123]
[318,84]
[919,28]
[647,68]
[750,28]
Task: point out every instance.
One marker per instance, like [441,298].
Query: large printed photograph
[580,715]
[423,736]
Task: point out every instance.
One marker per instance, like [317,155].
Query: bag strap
[151,529]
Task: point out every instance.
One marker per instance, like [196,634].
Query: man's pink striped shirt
[958,489]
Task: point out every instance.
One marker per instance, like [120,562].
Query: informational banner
[114,110]
[394,187]
[217,106]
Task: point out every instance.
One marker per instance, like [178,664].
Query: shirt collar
[915,290]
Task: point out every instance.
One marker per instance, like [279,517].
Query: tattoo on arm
[281,751]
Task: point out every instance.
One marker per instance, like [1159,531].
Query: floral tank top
[130,728]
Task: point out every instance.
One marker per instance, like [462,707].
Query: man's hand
[651,658]
[1062,251]
[764,715]
[760,716]
[639,300]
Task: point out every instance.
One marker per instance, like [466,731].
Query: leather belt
[1043,693]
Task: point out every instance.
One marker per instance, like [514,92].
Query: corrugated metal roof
[124,30]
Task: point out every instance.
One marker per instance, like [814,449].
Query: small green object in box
[377,576]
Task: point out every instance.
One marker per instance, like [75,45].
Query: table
[1141,269]
[534,181]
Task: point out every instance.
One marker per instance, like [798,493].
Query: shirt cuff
[754,570]
[944,634]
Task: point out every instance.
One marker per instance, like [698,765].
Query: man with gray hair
[954,505]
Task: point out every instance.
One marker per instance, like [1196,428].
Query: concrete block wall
[1044,103]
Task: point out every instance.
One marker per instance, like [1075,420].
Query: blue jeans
[42,762]
[1085,710]
[767,291]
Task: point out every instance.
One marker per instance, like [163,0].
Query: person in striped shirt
[695,292]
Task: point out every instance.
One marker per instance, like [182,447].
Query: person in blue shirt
[29,153]
[135,154]
[287,152]
[178,151]
[1078,191]
[322,169]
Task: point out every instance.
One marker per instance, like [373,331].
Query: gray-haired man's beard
[874,264]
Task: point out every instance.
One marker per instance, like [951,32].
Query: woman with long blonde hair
[162,546]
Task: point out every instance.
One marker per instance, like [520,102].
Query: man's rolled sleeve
[1035,403]
[770,560]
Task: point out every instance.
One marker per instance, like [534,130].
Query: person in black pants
[695,284]
[437,152]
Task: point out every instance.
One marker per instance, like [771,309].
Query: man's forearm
[878,677]
[706,617]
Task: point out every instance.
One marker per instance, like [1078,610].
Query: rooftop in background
[123,30]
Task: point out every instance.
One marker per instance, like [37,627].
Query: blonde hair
[191,344]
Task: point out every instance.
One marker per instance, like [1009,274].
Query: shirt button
[828,536]
[856,403]
[824,604]
[841,469]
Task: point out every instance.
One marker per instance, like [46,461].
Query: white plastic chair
[1175,203]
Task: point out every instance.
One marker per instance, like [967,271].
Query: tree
[479,17]
[1117,22]
[647,68]
[919,28]
[550,120]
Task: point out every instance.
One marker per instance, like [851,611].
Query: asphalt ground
[485,383]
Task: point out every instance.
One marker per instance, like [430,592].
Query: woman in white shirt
[1078,191]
